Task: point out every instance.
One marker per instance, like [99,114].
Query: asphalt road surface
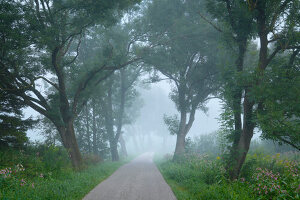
[138,180]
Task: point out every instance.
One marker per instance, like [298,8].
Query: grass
[26,175]
[72,185]
[202,178]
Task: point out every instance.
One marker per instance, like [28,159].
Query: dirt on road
[138,180]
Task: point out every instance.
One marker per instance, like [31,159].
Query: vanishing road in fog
[137,180]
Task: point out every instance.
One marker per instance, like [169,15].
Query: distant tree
[120,97]
[184,51]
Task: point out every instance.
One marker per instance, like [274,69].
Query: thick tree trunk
[69,142]
[123,146]
[180,141]
[180,146]
[237,96]
[240,152]
[184,125]
[114,151]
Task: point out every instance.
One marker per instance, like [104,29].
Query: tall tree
[267,17]
[183,51]
[36,43]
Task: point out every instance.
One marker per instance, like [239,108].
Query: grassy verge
[26,176]
[72,185]
[200,178]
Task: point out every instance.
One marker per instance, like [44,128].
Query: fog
[149,132]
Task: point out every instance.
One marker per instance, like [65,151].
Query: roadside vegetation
[266,174]
[41,172]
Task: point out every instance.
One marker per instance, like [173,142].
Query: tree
[183,51]
[119,98]
[37,44]
[266,16]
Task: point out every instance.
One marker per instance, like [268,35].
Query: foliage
[12,125]
[172,123]
[280,118]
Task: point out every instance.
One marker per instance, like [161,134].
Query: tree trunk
[239,155]
[123,146]
[243,145]
[180,146]
[109,124]
[118,136]
[114,151]
[237,96]
[69,142]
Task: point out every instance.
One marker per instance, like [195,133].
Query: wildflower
[42,176]
[23,182]
[32,185]
[218,158]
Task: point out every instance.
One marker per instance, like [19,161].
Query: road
[138,180]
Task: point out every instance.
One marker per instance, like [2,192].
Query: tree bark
[73,150]
[240,152]
[180,146]
[118,136]
[237,96]
[114,151]
[69,142]
[109,124]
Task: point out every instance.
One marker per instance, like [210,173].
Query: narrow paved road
[137,180]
